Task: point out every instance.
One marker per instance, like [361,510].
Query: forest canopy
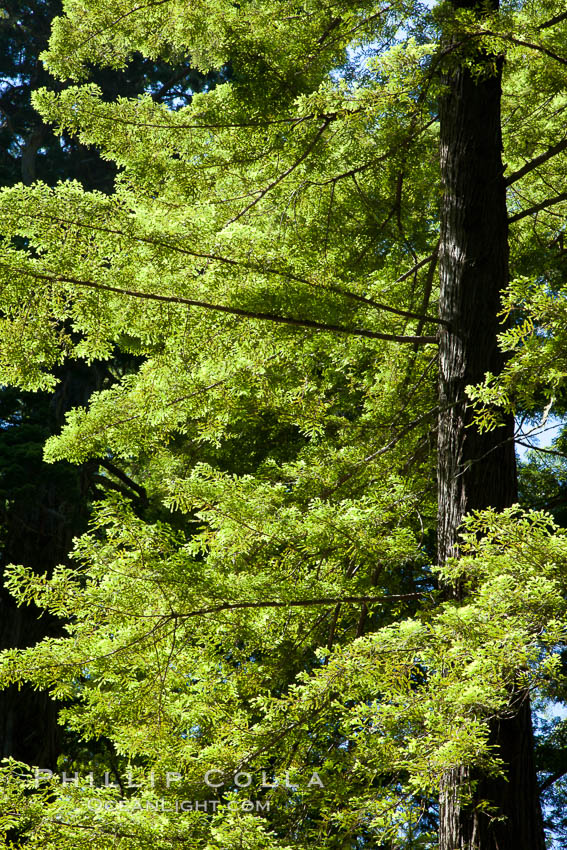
[329,288]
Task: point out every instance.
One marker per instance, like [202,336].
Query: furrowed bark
[477,470]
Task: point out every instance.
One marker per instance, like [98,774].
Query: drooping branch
[222,308]
[268,271]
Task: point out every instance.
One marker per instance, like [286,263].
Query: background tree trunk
[477,470]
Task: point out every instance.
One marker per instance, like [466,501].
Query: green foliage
[269,259]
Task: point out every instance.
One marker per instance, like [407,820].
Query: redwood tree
[477,469]
[269,257]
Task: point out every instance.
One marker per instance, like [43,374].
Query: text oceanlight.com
[176,806]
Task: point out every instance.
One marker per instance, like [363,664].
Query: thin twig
[284,174]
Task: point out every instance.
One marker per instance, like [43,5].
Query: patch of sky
[542,435]
[530,437]
[552,712]
[401,27]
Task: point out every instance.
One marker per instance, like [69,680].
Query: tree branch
[166,87]
[538,160]
[133,485]
[331,638]
[418,266]
[393,442]
[544,204]
[552,21]
[230,261]
[294,603]
[559,774]
[553,452]
[429,287]
[406,314]
[540,48]
[121,18]
[221,308]
[107,483]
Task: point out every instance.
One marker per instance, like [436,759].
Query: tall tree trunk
[477,470]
